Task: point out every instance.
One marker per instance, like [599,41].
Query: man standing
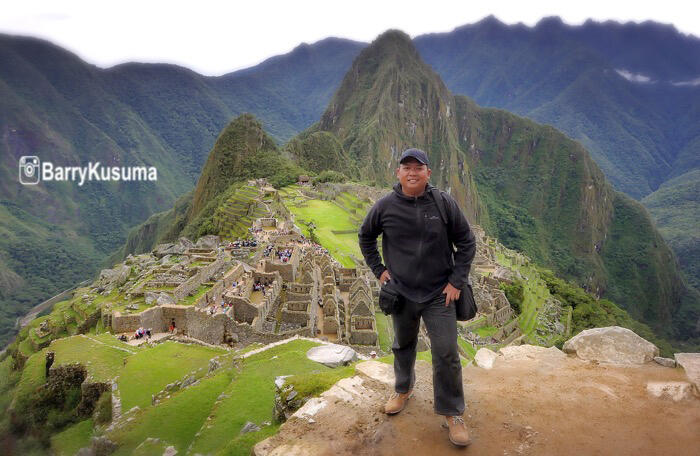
[419,260]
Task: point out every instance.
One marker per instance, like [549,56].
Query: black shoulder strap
[440,202]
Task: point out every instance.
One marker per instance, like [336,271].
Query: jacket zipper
[419,266]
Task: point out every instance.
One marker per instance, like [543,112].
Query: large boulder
[210,241]
[611,344]
[112,278]
[150,297]
[485,358]
[165,299]
[690,362]
[161,250]
[332,355]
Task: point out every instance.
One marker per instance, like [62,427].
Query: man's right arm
[369,231]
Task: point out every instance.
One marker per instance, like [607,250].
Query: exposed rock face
[112,278]
[178,248]
[612,344]
[332,355]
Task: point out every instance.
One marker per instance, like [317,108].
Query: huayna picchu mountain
[529,185]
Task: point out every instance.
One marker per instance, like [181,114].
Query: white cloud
[213,37]
[634,77]
[691,82]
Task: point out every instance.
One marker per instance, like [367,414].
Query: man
[421,264]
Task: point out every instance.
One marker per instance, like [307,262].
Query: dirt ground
[519,407]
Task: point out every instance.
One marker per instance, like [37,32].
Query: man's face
[413,176]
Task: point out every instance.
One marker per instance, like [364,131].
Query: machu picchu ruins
[275,283]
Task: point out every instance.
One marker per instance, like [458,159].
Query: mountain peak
[242,137]
[393,36]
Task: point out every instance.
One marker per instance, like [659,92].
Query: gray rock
[102,446]
[188,381]
[170,451]
[209,241]
[667,362]
[332,355]
[611,344]
[165,299]
[279,381]
[151,297]
[185,242]
[559,328]
[690,362]
[213,365]
[291,396]
[249,427]
[112,278]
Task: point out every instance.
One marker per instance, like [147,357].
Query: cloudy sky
[215,37]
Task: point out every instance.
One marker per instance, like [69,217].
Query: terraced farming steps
[236,215]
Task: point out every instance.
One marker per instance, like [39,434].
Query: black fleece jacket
[416,244]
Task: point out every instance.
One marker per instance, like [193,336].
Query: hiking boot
[459,435]
[396,402]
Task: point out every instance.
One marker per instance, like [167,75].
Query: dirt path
[533,407]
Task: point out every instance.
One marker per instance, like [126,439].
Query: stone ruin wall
[190,285]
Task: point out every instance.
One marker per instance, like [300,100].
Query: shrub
[515,294]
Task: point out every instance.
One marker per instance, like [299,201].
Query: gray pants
[441,323]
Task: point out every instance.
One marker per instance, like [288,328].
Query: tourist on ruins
[425,271]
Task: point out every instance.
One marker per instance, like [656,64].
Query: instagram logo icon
[29,170]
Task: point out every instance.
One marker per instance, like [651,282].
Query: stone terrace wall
[191,284]
[153,318]
[215,294]
[205,327]
[125,323]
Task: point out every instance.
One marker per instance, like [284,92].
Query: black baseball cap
[414,153]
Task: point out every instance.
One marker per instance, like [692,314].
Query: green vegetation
[486,331]
[589,312]
[676,210]
[335,223]
[515,293]
[68,442]
[176,420]
[207,417]
[148,371]
[384,331]
[330,176]
[251,394]
[314,383]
